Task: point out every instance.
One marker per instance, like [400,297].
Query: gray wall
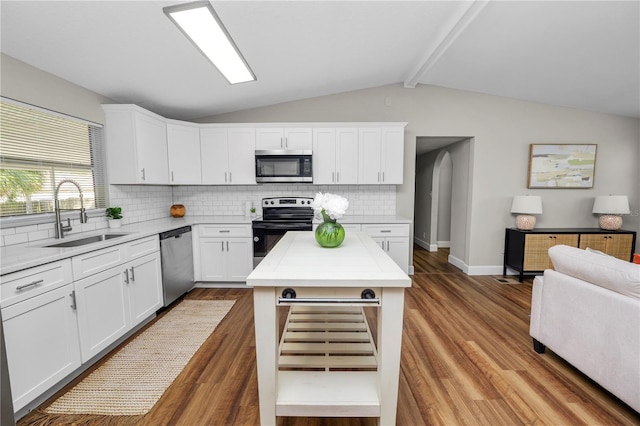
[502,130]
[27,84]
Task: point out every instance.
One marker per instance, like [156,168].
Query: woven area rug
[134,378]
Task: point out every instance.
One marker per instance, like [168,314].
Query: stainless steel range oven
[279,215]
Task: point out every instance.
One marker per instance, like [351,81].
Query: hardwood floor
[467,359]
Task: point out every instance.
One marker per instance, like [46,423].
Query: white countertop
[22,256]
[297,260]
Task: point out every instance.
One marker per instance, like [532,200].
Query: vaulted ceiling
[580,54]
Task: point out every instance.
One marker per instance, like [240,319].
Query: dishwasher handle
[175,233]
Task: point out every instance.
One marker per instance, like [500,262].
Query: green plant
[253,209]
[114,212]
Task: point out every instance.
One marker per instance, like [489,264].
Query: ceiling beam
[449,33]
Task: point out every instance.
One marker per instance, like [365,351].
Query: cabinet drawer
[143,247]
[31,282]
[91,263]
[395,230]
[225,230]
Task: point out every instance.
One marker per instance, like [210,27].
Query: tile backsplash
[147,202]
[230,200]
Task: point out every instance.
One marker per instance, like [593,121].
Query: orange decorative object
[636,258]
[178,210]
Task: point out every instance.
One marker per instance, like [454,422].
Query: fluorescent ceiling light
[200,23]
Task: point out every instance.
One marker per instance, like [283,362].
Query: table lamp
[526,206]
[611,207]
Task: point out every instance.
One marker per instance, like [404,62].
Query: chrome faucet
[60,228]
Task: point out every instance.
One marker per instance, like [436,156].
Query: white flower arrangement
[334,206]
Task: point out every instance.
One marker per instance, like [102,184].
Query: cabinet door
[145,287]
[346,156]
[620,246]
[183,147]
[41,338]
[103,310]
[369,145]
[593,241]
[392,159]
[151,149]
[324,154]
[298,138]
[212,259]
[398,250]
[214,156]
[241,153]
[239,259]
[536,256]
[269,138]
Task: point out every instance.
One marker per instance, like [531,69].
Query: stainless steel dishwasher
[177,263]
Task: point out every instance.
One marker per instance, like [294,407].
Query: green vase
[329,233]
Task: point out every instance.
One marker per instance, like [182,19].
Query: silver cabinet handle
[230,178]
[143,175]
[382,176]
[31,284]
[332,176]
[227,245]
[172,176]
[388,246]
[378,176]
[133,277]
[385,230]
[126,276]
[337,177]
[225,177]
[74,306]
[222,245]
[224,231]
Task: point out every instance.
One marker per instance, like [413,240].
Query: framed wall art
[561,165]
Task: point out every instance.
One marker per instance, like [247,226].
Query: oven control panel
[287,202]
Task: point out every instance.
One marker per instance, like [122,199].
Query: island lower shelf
[315,393]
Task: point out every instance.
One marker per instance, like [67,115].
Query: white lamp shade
[611,204]
[526,204]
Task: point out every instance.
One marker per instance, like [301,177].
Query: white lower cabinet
[54,324]
[41,339]
[225,252]
[145,287]
[102,310]
[394,240]
[114,301]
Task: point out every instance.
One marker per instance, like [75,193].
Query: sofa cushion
[604,271]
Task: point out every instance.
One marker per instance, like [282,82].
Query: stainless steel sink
[87,240]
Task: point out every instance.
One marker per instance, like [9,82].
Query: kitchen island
[327,363]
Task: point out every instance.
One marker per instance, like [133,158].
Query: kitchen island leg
[266,329]
[389,346]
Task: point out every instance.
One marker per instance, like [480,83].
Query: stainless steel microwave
[284,166]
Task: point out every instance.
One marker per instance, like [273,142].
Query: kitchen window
[38,149]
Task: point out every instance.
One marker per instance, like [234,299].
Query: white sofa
[587,311]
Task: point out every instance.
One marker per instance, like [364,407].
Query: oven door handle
[284,226]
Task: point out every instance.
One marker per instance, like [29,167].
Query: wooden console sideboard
[527,251]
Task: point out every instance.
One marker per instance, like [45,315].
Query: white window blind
[39,149]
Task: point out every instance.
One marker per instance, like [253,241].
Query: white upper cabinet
[227,155]
[136,146]
[381,155]
[284,138]
[183,147]
[335,156]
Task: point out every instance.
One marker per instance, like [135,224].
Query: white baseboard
[425,245]
[475,270]
[444,244]
[201,284]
